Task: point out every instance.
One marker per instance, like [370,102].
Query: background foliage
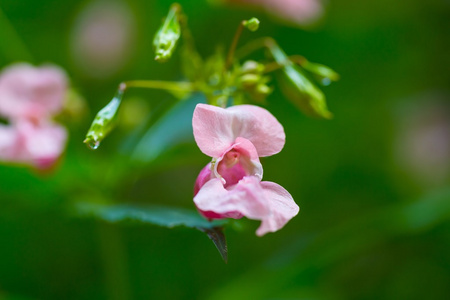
[372,185]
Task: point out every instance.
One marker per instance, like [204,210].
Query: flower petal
[260,127]
[245,198]
[41,145]
[8,143]
[248,165]
[216,129]
[282,207]
[203,177]
[27,91]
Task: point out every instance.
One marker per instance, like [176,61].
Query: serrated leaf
[150,214]
[164,216]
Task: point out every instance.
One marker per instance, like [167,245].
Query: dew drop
[93,145]
[326,81]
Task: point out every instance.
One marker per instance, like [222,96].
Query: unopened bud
[249,80]
[251,66]
[263,89]
[252,24]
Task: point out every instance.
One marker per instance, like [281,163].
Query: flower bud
[251,66]
[249,80]
[252,24]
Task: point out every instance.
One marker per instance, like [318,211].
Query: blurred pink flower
[31,144]
[29,98]
[30,92]
[299,12]
[422,144]
[230,186]
[103,38]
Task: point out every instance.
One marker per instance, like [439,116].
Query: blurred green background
[373,184]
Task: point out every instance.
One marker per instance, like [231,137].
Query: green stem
[236,37]
[157,84]
[14,48]
[186,32]
[113,256]
[273,66]
[174,10]
[266,42]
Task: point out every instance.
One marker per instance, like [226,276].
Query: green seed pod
[323,73]
[168,34]
[298,88]
[104,122]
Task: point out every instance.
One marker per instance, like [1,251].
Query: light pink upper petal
[245,198]
[27,91]
[216,129]
[212,129]
[282,208]
[260,127]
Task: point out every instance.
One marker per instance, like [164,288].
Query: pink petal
[27,91]
[216,129]
[246,198]
[38,145]
[248,163]
[8,142]
[202,178]
[282,207]
[43,144]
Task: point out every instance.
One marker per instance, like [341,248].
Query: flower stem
[156,84]
[273,66]
[266,42]
[115,267]
[236,37]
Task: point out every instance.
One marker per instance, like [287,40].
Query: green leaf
[168,34]
[172,129]
[164,216]
[298,88]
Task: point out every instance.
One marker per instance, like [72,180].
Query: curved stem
[236,37]
[266,42]
[273,66]
[157,84]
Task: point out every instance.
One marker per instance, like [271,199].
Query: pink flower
[230,186]
[29,97]
[27,143]
[33,93]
